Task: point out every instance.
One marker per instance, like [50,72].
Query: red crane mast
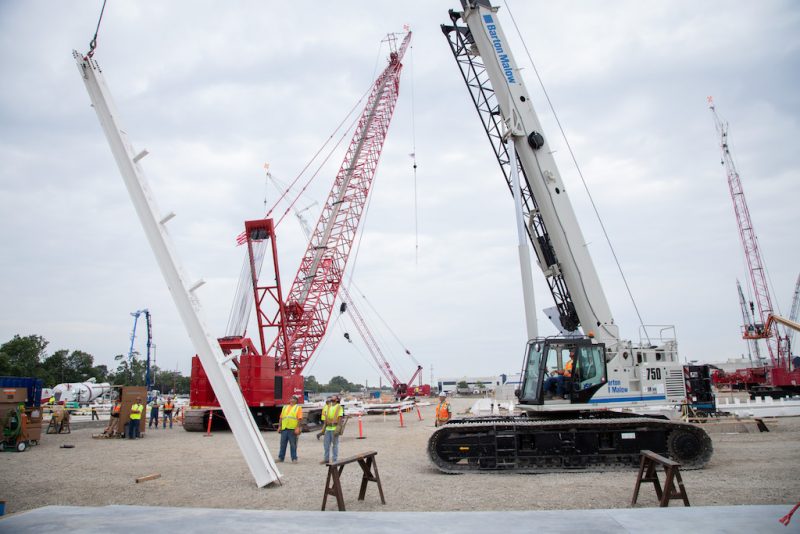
[747,233]
[313,292]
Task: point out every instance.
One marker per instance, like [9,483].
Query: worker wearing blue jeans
[333,414]
[559,378]
[291,424]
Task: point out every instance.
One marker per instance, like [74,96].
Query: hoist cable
[93,42]
[414,159]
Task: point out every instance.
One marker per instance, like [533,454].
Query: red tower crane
[777,377]
[292,329]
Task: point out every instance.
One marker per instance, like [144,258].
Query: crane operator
[559,377]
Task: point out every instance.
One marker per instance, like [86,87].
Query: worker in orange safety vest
[113,427]
[442,410]
[168,407]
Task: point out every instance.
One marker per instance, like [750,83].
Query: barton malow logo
[505,61]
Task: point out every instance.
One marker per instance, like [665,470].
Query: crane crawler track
[524,445]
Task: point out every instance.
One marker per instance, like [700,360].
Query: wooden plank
[148,477]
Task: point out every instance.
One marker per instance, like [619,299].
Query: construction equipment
[20,423]
[135,315]
[777,378]
[401,389]
[80,393]
[290,329]
[581,431]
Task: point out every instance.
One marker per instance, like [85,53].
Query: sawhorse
[333,485]
[647,473]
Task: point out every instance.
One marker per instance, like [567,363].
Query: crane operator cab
[570,369]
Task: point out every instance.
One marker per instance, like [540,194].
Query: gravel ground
[198,471]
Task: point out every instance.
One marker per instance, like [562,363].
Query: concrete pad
[124,519]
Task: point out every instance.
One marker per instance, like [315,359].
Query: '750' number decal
[654,374]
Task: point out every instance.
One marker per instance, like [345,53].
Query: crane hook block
[536,140]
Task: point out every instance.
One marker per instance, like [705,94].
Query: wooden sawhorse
[333,485]
[647,473]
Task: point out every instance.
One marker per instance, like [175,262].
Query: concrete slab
[124,519]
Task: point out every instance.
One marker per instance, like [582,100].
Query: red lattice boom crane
[295,326]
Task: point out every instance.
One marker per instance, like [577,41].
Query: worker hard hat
[295,397]
[442,394]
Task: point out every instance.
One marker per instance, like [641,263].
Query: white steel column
[230,397]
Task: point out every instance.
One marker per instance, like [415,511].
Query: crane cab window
[590,369]
[557,357]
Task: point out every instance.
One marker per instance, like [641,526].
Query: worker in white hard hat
[291,426]
[443,413]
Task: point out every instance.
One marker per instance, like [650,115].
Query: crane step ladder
[648,473]
[505,446]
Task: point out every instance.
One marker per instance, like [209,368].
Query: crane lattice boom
[758,277]
[313,292]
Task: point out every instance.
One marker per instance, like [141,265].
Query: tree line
[28,356]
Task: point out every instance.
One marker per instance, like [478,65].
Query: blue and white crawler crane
[587,429]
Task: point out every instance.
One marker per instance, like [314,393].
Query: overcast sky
[213,90]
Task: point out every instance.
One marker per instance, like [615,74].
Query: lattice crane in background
[777,378]
[292,330]
[401,389]
[755,265]
[747,318]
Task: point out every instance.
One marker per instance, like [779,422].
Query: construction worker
[291,426]
[153,413]
[136,416]
[332,414]
[113,423]
[322,418]
[558,378]
[168,407]
[442,410]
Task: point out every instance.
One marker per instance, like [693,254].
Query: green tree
[79,366]
[311,384]
[100,372]
[480,386]
[22,356]
[462,385]
[170,382]
[339,383]
[130,372]
[54,368]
